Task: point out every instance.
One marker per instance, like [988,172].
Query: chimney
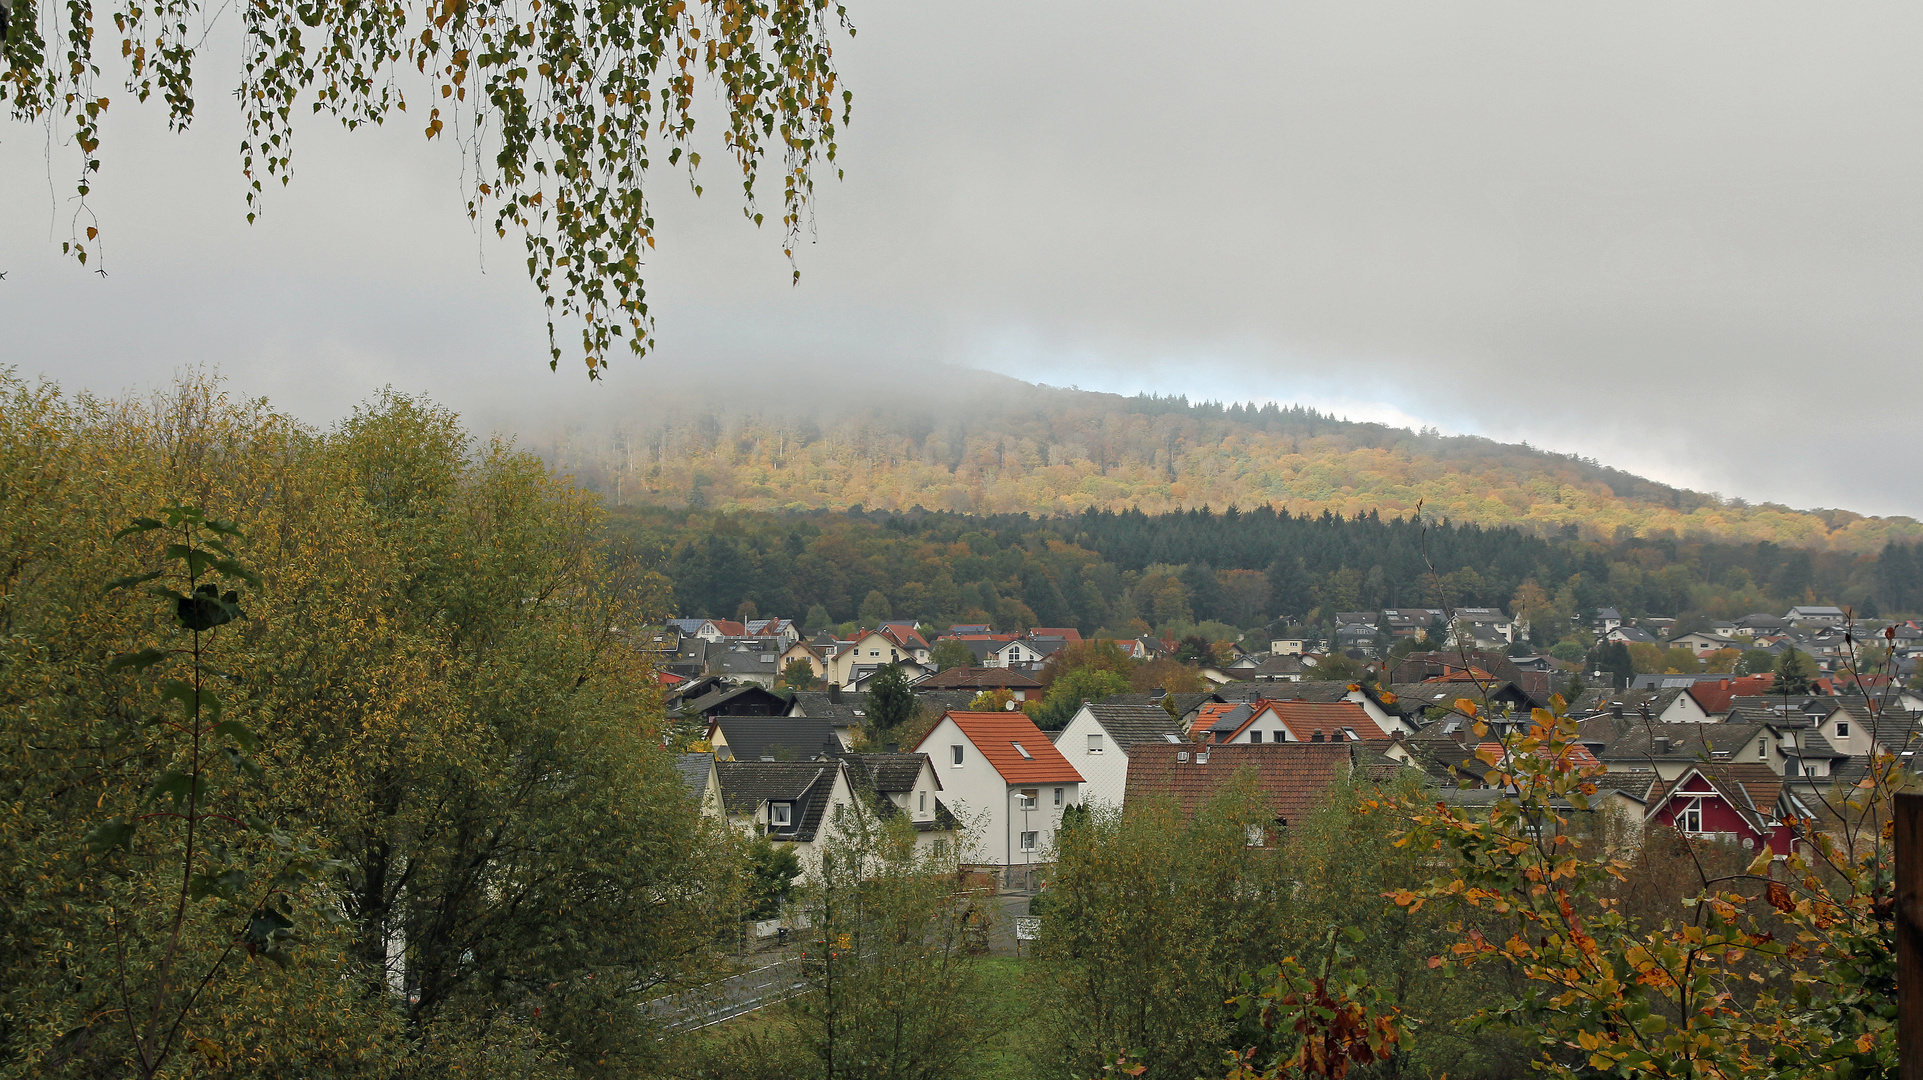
[1160,693]
[1317,736]
[1662,746]
[1616,710]
[834,692]
[891,748]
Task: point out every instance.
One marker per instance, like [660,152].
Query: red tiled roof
[1066,632]
[1577,753]
[974,678]
[1714,697]
[1305,718]
[995,735]
[729,628]
[1210,713]
[1471,674]
[1291,776]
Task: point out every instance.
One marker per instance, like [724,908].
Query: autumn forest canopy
[970,443]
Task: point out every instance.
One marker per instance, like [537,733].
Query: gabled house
[1020,685]
[1008,783]
[1385,705]
[717,629]
[1746,804]
[1293,778]
[702,782]
[870,652]
[723,699]
[1297,721]
[791,802]
[773,738]
[844,710]
[1815,614]
[782,631]
[906,785]
[1700,644]
[1097,741]
[1631,635]
[808,653]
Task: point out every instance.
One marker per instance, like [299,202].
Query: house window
[1025,801]
[955,755]
[1842,729]
[1762,749]
[924,802]
[1692,819]
[1255,837]
[1255,736]
[1058,796]
[1028,841]
[1094,744]
[780,813]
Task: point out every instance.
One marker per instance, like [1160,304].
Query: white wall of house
[1390,723]
[988,805]
[1094,753]
[1685,710]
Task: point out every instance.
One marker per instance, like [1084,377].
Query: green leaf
[130,579]
[136,661]
[238,732]
[242,762]
[224,884]
[109,835]
[203,701]
[224,528]
[176,785]
[140,525]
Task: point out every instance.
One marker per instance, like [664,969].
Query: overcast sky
[1683,238]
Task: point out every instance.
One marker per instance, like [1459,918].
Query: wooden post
[1909,935]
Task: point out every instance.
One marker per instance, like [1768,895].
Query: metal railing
[727,998]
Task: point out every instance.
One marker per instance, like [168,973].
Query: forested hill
[979,444]
[1126,573]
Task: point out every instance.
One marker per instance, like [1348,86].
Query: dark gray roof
[850,711]
[1131,724]
[891,772]
[761,700]
[1231,721]
[1686,742]
[781,738]
[745,785]
[1184,703]
[693,769]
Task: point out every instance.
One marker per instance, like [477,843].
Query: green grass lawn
[1010,1029]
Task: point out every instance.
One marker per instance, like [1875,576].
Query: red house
[1745,803]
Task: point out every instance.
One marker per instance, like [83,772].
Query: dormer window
[781,814]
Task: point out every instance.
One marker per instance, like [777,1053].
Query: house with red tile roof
[1006,782]
[979,679]
[1709,700]
[1291,777]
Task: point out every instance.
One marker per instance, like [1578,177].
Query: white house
[1098,739]
[1007,783]
[1700,644]
[870,652]
[793,802]
[907,784]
